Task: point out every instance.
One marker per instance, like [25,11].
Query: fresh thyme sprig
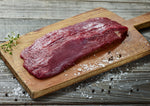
[12,41]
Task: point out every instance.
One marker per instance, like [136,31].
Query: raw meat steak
[60,49]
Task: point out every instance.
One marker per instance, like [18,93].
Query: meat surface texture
[60,49]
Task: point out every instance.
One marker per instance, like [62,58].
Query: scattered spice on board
[119,56]
[109,52]
[110,59]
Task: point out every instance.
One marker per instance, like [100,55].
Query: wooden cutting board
[133,47]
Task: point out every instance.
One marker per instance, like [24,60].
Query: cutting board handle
[142,21]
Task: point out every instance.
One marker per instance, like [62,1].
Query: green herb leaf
[12,41]
[10,53]
[5,38]
[8,36]
[15,38]
[18,35]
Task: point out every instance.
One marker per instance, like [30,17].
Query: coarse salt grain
[97,82]
[66,74]
[117,53]
[86,95]
[110,62]
[18,91]
[100,64]
[104,60]
[147,80]
[79,69]
[78,73]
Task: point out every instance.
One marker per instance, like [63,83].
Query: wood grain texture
[130,76]
[90,66]
[22,26]
[54,9]
[141,22]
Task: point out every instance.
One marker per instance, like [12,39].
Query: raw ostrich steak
[60,49]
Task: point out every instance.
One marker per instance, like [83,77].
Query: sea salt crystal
[85,67]
[79,87]
[104,60]
[117,53]
[86,95]
[66,74]
[79,69]
[100,64]
[116,77]
[97,82]
[110,62]
[129,93]
[17,91]
[27,95]
[89,97]
[78,73]
[91,67]
[117,58]
[147,80]
[75,74]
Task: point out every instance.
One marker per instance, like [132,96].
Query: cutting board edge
[36,94]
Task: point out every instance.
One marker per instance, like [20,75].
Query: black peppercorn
[109,52]
[16,100]
[108,91]
[93,90]
[109,87]
[6,94]
[110,59]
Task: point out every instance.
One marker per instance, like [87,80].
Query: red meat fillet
[60,49]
